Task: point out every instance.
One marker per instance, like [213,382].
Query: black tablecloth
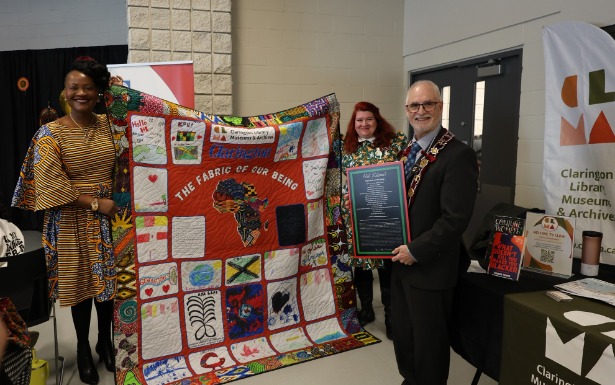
[550,342]
[478,312]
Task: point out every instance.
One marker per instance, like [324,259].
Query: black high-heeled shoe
[106,352]
[85,364]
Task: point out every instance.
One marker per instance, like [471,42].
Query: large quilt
[232,256]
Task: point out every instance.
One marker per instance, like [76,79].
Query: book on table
[506,247]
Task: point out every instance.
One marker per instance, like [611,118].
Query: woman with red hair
[370,139]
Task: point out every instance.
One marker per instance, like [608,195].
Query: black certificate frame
[378,209]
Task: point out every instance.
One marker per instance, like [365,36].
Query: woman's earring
[100,97]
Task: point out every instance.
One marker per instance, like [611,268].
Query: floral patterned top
[367,154]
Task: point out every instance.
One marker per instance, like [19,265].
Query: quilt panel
[232,257]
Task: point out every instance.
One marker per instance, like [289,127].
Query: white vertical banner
[579,152]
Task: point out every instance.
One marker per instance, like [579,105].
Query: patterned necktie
[414,150]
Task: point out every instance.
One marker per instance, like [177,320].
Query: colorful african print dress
[60,164]
[367,154]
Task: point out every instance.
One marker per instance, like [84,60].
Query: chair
[24,281]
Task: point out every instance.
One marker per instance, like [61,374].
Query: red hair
[383,135]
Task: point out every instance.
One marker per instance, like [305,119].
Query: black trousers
[421,320]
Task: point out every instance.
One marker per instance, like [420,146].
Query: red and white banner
[579,176]
[172,81]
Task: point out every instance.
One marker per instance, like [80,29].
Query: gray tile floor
[370,365]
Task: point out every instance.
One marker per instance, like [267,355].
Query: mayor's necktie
[414,150]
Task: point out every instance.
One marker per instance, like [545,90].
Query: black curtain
[44,70]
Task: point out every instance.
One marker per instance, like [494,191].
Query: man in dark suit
[442,182]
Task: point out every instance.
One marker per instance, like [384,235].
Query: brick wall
[284,52]
[287,52]
[179,30]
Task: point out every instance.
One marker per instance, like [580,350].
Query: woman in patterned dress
[370,139]
[68,173]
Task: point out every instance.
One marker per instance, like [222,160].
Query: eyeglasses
[427,106]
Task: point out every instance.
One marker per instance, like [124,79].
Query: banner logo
[570,354]
[601,131]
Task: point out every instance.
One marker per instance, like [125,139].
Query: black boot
[106,352]
[366,315]
[363,280]
[384,274]
[85,364]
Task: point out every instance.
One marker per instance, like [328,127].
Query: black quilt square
[291,224]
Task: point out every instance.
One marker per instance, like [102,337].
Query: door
[481,107]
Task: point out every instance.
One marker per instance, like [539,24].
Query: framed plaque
[379,209]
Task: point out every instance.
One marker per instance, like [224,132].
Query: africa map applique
[242,201]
